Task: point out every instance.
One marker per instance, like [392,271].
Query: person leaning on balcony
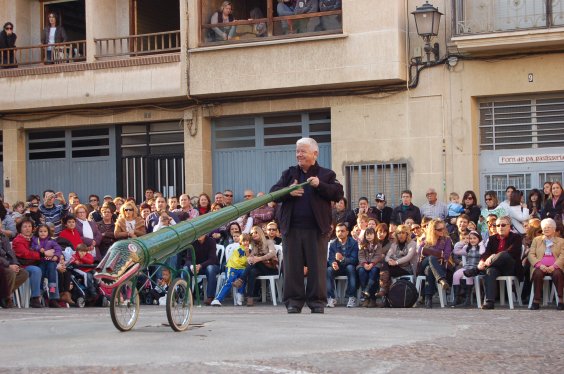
[224,15]
[286,8]
[53,33]
[332,22]
[8,40]
[307,24]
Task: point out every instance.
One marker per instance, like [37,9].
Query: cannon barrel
[126,257]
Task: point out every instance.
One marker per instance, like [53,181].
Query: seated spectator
[554,206]
[18,211]
[12,274]
[370,259]
[206,263]
[70,233]
[94,208]
[53,212]
[41,241]
[433,208]
[400,260]
[8,40]
[461,228]
[8,227]
[471,207]
[164,221]
[204,204]
[332,22]
[342,214]
[262,260]
[73,202]
[518,212]
[173,203]
[119,201]
[33,211]
[129,224]
[186,211]
[228,236]
[342,260]
[406,210]
[153,218]
[30,260]
[471,249]
[364,208]
[236,265]
[273,233]
[502,257]
[382,212]
[435,252]
[263,214]
[88,231]
[106,227]
[547,259]
[145,210]
[224,15]
[492,207]
[228,197]
[82,256]
[454,208]
[259,29]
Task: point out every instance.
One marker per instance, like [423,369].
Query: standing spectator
[382,212]
[332,22]
[12,275]
[364,208]
[406,210]
[18,211]
[492,207]
[33,211]
[218,198]
[502,257]
[149,194]
[435,252]
[518,212]
[505,203]
[342,214]
[154,218]
[304,7]
[173,203]
[228,197]
[206,263]
[186,211]
[54,213]
[224,15]
[305,222]
[263,214]
[118,201]
[454,208]
[283,9]
[555,204]
[204,203]
[129,224]
[433,207]
[342,260]
[52,33]
[74,200]
[535,203]
[106,227]
[94,208]
[547,190]
[88,231]
[8,40]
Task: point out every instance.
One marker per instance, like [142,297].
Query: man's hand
[313,181]
[297,193]
[339,256]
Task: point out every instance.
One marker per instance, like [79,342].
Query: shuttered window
[517,124]
[372,178]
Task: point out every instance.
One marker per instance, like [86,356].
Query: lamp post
[427,19]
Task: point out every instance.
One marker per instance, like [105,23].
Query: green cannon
[120,267]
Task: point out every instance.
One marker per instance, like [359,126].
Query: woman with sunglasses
[470,205]
[491,207]
[501,258]
[129,224]
[8,40]
[435,252]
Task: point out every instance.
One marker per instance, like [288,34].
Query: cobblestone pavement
[265,339]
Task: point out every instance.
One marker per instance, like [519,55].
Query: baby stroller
[150,291]
[86,290]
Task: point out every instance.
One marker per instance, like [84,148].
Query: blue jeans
[284,10]
[372,275]
[350,272]
[49,271]
[211,272]
[232,275]
[35,277]
[433,272]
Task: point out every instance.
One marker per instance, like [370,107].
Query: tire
[179,305]
[124,306]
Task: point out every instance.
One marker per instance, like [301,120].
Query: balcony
[508,25]
[138,45]
[49,54]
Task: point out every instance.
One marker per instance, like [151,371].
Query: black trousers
[502,265]
[303,247]
[252,272]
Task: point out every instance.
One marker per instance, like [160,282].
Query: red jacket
[87,259]
[73,236]
[23,251]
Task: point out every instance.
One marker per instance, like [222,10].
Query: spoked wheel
[124,306]
[179,305]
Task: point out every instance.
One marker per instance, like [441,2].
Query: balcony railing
[57,53]
[494,16]
[138,45]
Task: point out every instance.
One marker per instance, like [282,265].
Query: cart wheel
[179,305]
[124,306]
[80,302]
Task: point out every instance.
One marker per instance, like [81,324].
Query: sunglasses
[489,199]
[248,196]
[439,228]
[128,210]
[501,225]
[228,195]
[469,198]
[8,28]
[272,229]
[93,200]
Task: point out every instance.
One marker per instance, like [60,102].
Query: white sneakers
[239,298]
[331,302]
[352,302]
[215,302]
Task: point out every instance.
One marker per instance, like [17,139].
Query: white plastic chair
[274,280]
[546,296]
[219,250]
[442,294]
[222,277]
[24,294]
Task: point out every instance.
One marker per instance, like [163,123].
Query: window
[369,179]
[255,20]
[515,124]
[499,182]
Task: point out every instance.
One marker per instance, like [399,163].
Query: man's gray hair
[309,142]
[548,222]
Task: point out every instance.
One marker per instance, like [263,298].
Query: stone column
[14,178]
[197,152]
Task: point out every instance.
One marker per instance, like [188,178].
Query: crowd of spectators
[447,243]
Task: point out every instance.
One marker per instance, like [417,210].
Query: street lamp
[427,19]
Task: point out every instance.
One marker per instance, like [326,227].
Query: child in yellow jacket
[236,265]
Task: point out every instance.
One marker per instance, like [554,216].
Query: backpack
[402,294]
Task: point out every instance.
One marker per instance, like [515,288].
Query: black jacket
[7,256]
[513,245]
[329,189]
[60,35]
[554,212]
[399,216]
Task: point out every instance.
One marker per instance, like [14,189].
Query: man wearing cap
[434,208]
[382,212]
[108,198]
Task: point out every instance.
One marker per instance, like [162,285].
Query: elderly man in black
[11,274]
[305,222]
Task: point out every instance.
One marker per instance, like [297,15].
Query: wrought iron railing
[494,16]
[138,45]
[57,53]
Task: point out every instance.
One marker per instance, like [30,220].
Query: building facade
[154,96]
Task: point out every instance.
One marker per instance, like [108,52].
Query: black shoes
[318,310]
[560,306]
[35,302]
[293,310]
[488,305]
[535,306]
[429,302]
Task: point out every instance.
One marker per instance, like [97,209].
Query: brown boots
[66,297]
[250,301]
[384,283]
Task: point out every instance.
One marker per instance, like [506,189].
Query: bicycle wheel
[124,306]
[179,305]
